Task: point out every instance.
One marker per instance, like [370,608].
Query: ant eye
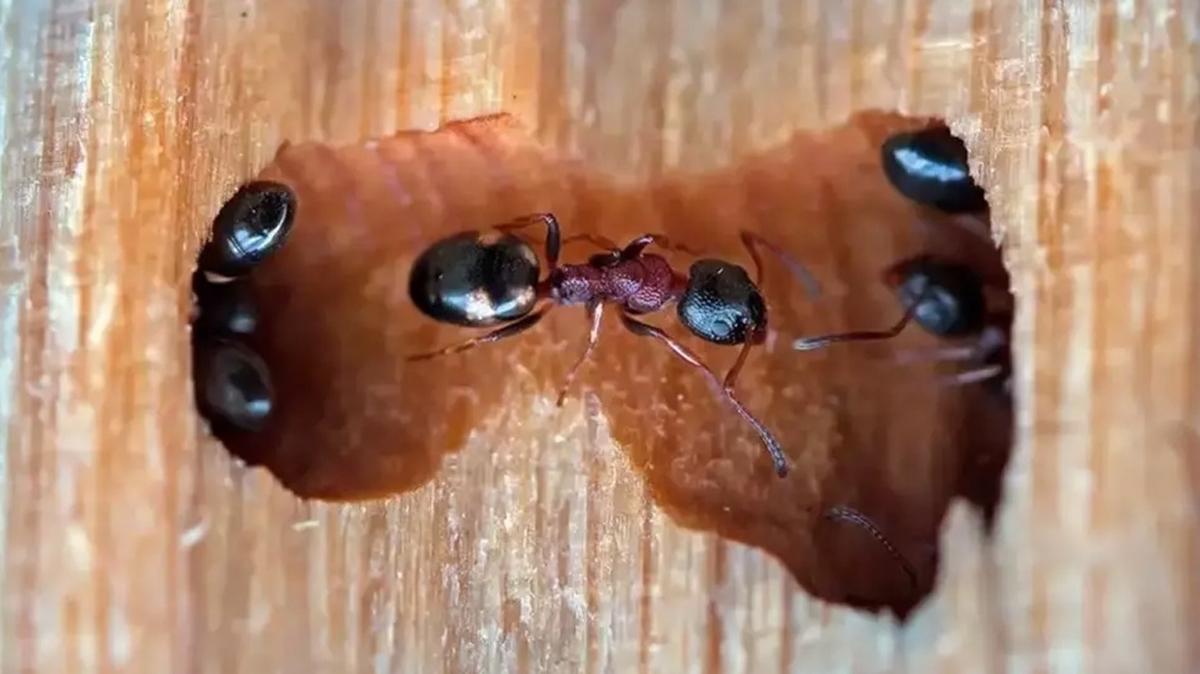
[721,304]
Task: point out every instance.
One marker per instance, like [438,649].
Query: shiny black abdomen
[250,226]
[233,386]
[469,281]
[930,167]
[721,304]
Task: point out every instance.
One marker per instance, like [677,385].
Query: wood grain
[133,543]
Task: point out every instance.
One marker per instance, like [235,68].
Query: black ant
[232,383]
[949,300]
[476,281]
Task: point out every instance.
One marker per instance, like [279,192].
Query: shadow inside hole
[865,427]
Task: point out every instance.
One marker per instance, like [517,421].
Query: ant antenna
[842,513]
[821,341]
[806,278]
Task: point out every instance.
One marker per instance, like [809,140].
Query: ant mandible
[474,280]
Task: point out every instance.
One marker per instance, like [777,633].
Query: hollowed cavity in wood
[866,426]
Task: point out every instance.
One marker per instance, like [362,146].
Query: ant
[949,300]
[232,383]
[474,280]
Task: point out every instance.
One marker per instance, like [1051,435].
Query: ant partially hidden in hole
[474,280]
[950,300]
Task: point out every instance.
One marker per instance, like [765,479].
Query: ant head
[949,296]
[471,280]
[721,304]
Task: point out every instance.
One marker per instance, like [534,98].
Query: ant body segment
[475,280]
[232,383]
[950,300]
[929,167]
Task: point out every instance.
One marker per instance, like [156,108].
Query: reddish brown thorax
[642,284]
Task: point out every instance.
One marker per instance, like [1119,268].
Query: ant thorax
[642,284]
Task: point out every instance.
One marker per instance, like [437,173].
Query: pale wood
[133,544]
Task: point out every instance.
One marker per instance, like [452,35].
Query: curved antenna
[821,341]
[802,273]
[841,513]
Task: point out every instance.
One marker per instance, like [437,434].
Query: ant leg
[752,241]
[842,513]
[948,354]
[515,328]
[813,343]
[975,376]
[595,312]
[988,343]
[553,236]
[772,445]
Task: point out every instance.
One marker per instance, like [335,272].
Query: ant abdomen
[721,304]
[474,281]
[930,167]
[253,224]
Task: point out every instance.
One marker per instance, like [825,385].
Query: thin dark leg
[595,312]
[515,328]
[752,241]
[553,235]
[634,248]
[847,514]
[813,343]
[773,448]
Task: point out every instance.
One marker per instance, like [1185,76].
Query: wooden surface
[133,543]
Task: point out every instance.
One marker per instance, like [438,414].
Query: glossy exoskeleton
[930,167]
[948,299]
[252,224]
[948,296]
[475,280]
[233,386]
[232,383]
[223,308]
